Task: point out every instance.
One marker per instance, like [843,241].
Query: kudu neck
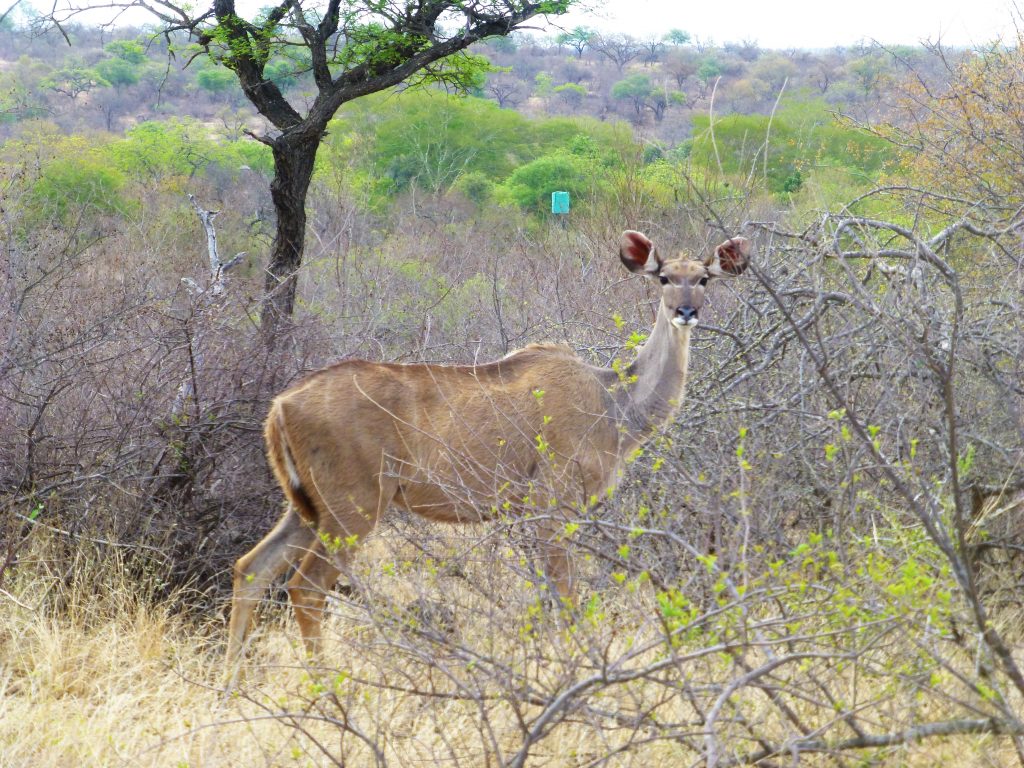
[656,381]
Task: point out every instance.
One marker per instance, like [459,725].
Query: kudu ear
[638,253]
[729,258]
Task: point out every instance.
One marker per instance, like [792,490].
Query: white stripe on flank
[289,464]
[293,473]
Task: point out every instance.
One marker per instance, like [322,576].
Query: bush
[530,186]
[218,80]
[72,186]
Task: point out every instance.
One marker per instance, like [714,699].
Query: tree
[621,49]
[354,49]
[772,72]
[965,141]
[118,72]
[216,80]
[578,39]
[127,50]
[285,72]
[6,20]
[571,93]
[653,47]
[643,94]
[798,139]
[708,70]
[680,65]
[531,185]
[504,89]
[868,72]
[543,85]
[20,85]
[676,37]
[73,80]
[746,50]
[636,89]
[123,68]
[826,69]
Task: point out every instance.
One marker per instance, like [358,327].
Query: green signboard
[560,202]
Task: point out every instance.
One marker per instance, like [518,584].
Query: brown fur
[440,441]
[538,430]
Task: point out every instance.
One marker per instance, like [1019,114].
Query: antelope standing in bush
[458,443]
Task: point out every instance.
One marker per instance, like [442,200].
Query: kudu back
[459,443]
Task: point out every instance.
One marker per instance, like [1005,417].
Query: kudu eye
[703,281]
[663,279]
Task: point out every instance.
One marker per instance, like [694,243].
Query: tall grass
[96,672]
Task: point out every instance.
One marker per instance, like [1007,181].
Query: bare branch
[912,735]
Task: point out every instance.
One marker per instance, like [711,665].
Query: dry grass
[94,675]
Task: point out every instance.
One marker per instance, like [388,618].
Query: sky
[780,24]
[807,23]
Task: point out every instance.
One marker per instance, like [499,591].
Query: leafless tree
[620,49]
[653,47]
[507,91]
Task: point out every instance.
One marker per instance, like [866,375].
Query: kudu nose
[687,314]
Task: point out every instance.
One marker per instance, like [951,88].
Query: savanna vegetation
[818,562]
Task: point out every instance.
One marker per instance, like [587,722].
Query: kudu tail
[282,461]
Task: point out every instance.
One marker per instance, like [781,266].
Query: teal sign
[560,202]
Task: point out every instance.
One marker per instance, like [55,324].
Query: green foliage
[653,152]
[868,72]
[802,138]
[284,72]
[643,94]
[571,93]
[73,80]
[18,100]
[793,182]
[429,140]
[182,148]
[460,73]
[676,37]
[708,70]
[427,291]
[130,51]
[216,80]
[69,186]
[603,141]
[530,186]
[543,85]
[583,145]
[571,88]
[475,186]
[578,39]
[828,585]
[636,87]
[118,72]
[377,47]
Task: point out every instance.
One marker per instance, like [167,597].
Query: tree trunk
[294,155]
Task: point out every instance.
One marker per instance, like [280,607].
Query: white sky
[772,24]
[806,23]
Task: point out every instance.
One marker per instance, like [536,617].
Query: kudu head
[683,279]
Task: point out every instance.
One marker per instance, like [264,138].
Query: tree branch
[7,13]
[910,735]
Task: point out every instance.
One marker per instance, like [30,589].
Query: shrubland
[819,560]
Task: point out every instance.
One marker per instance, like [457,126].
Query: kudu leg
[307,590]
[559,568]
[286,544]
[349,516]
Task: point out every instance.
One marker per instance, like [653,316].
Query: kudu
[460,443]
